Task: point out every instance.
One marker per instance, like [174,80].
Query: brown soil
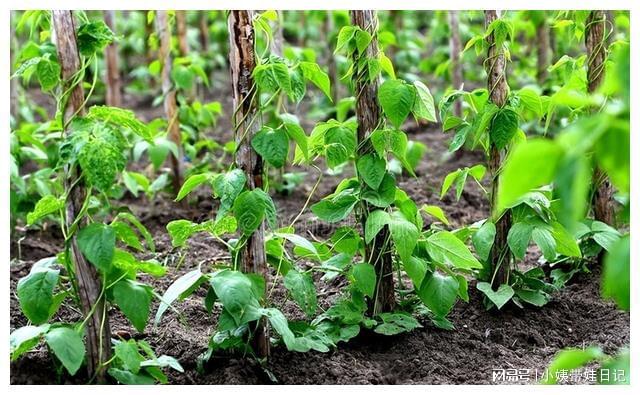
[482,341]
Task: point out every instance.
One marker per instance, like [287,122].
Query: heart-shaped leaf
[499,297]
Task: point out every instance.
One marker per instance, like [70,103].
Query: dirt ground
[482,341]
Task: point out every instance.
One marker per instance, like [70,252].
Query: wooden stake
[169,93]
[500,256]
[114,88]
[368,112]
[543,49]
[204,30]
[242,62]
[603,205]
[181,26]
[89,286]
[456,69]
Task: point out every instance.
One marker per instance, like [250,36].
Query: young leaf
[372,169]
[183,284]
[424,107]
[272,145]
[404,234]
[503,127]
[25,338]
[302,290]
[500,297]
[435,212]
[444,247]
[363,277]
[397,99]
[48,204]
[134,300]
[313,73]
[67,346]
[191,183]
[228,186]
[438,293]
[97,242]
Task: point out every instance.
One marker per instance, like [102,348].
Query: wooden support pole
[368,112]
[455,48]
[246,125]
[89,285]
[495,64]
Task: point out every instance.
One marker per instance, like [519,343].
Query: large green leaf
[616,281]
[404,234]
[544,239]
[503,127]
[518,238]
[134,300]
[445,247]
[363,277]
[249,209]
[396,98]
[384,195]
[538,159]
[48,204]
[438,293]
[35,294]
[376,220]
[228,186]
[313,73]
[500,297]
[340,144]
[67,346]
[98,242]
[424,107]
[25,338]
[234,290]
[303,291]
[336,208]
[272,145]
[372,169]
[483,239]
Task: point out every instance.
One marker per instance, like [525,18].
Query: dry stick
[242,62]
[500,256]
[169,93]
[89,286]
[603,207]
[181,27]
[456,69]
[542,48]
[368,112]
[114,88]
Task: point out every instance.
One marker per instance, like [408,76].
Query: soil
[513,338]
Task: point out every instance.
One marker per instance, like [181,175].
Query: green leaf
[296,133]
[128,378]
[363,278]
[93,37]
[228,186]
[372,169]
[127,352]
[387,65]
[48,204]
[424,107]
[448,182]
[404,234]
[397,99]
[565,243]
[363,39]
[396,323]
[313,73]
[344,36]
[272,145]
[35,294]
[384,195]
[444,247]
[376,220]
[302,290]
[234,290]
[536,298]
[416,269]
[249,209]
[569,359]
[500,297]
[98,242]
[134,300]
[191,183]
[518,238]
[336,208]
[48,73]
[435,212]
[340,144]
[175,290]
[503,127]
[483,239]
[438,293]
[544,239]
[538,159]
[616,282]
[67,346]
[101,160]
[25,338]
[182,77]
